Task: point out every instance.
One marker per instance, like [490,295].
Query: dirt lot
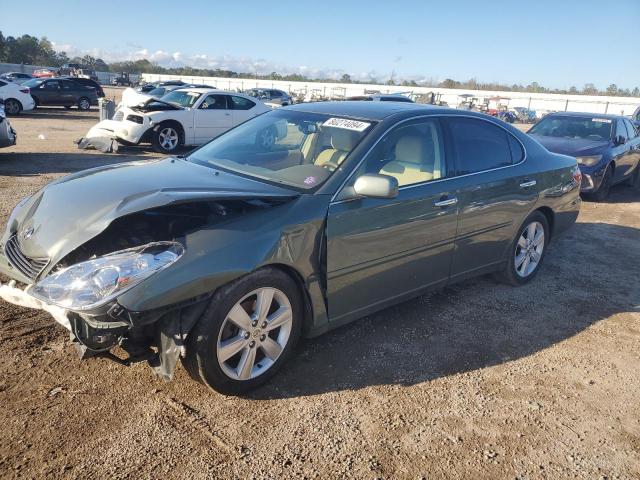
[478,381]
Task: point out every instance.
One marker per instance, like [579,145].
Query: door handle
[528,183]
[445,202]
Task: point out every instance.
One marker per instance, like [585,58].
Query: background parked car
[44,73]
[16,77]
[270,95]
[61,92]
[607,147]
[16,97]
[7,134]
[186,116]
[635,118]
[122,80]
[87,82]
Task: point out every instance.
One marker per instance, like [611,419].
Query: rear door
[211,118]
[380,251]
[69,92]
[495,192]
[243,109]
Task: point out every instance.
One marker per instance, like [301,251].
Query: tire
[516,272]
[84,104]
[167,138]
[634,180]
[603,191]
[12,107]
[270,348]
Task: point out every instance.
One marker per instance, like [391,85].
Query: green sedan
[291,224]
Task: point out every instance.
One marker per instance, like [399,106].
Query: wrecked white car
[190,116]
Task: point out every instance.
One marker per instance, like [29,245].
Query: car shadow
[31,164]
[474,324]
[53,113]
[623,194]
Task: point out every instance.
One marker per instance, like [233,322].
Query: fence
[103,77]
[535,101]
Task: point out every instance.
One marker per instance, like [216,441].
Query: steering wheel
[331,166]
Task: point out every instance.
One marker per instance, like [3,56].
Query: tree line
[31,50]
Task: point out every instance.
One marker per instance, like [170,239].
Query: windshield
[32,83]
[297,149]
[592,128]
[182,98]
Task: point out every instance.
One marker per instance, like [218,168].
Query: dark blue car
[607,147]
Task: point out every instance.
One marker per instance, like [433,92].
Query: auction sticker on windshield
[601,120]
[347,124]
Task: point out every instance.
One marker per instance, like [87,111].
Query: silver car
[7,133]
[270,95]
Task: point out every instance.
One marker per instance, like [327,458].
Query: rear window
[480,145]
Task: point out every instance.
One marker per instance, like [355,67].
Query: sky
[557,43]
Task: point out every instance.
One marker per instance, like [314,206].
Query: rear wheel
[12,107]
[603,192]
[527,250]
[247,333]
[84,103]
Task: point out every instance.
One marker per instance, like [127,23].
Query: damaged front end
[84,261]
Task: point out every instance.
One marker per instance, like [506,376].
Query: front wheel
[527,250]
[247,333]
[603,192]
[166,139]
[84,104]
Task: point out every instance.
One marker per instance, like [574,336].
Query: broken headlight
[92,283]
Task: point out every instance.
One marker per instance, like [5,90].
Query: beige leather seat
[342,142]
[414,161]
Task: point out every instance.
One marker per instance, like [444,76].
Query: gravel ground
[479,380]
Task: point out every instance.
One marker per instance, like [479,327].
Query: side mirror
[376,186]
[620,140]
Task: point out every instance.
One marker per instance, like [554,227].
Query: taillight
[577,175]
[25,90]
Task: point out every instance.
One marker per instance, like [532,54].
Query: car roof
[367,110]
[608,116]
[208,90]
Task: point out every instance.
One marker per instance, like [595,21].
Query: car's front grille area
[29,267]
[119,115]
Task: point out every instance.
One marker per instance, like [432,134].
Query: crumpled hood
[574,147]
[70,211]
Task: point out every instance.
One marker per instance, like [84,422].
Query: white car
[188,116]
[16,98]
[7,134]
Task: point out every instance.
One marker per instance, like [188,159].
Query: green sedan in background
[227,256]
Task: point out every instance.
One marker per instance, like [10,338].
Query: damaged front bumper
[157,337]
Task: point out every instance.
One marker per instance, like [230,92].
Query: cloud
[241,64]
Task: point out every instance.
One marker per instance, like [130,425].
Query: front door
[211,118]
[50,93]
[380,251]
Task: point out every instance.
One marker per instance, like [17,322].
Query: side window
[275,94]
[68,86]
[479,145]
[412,154]
[55,85]
[631,129]
[621,131]
[214,102]
[241,103]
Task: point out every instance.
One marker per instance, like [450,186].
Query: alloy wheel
[529,249]
[84,104]
[254,334]
[12,107]
[168,138]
